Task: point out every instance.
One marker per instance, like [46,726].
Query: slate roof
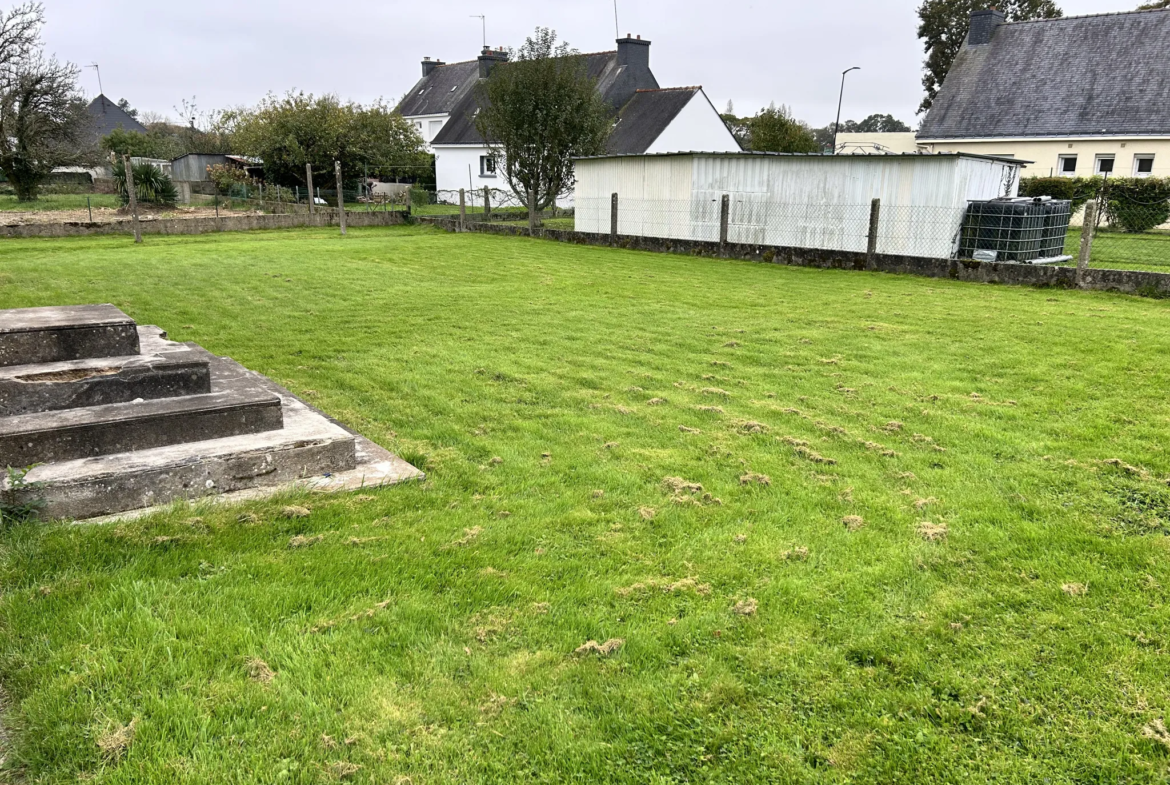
[643,119]
[441,91]
[106,116]
[434,94]
[1107,74]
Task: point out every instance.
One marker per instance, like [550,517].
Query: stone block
[59,334]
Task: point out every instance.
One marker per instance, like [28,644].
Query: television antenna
[483,21]
[98,69]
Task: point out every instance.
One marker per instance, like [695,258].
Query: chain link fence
[1128,236]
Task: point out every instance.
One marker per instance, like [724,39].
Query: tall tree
[298,129]
[43,121]
[537,113]
[775,130]
[943,26]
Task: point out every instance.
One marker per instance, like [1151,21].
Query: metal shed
[807,201]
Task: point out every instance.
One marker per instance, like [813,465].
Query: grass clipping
[115,743]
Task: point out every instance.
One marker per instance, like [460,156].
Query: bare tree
[43,119]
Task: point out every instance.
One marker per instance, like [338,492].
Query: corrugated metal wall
[802,201]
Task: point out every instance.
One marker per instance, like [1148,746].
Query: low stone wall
[1146,284]
[234,223]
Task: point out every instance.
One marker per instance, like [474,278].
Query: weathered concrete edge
[235,223]
[1141,283]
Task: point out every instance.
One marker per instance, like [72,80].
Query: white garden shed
[804,201]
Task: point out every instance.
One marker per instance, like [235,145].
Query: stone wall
[1146,284]
[235,223]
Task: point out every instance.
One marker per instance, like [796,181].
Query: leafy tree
[943,26]
[298,129]
[738,127]
[538,112]
[774,130]
[43,119]
[875,123]
[156,143]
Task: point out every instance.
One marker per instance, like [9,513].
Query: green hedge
[1132,204]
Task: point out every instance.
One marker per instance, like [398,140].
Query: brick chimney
[983,24]
[430,65]
[488,59]
[633,52]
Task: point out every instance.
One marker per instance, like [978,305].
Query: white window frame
[1100,158]
[1061,171]
[487,166]
[1139,157]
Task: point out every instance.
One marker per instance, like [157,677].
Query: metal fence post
[532,211]
[133,196]
[340,197]
[462,210]
[875,214]
[309,181]
[613,218]
[1087,231]
[724,218]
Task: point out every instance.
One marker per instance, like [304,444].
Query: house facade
[647,118]
[1078,96]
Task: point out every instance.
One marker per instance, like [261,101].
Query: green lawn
[800,618]
[1122,251]
[51,202]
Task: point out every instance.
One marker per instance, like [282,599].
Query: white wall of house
[698,127]
[457,166]
[1048,156]
[428,126]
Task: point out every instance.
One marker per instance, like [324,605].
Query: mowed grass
[53,202]
[795,619]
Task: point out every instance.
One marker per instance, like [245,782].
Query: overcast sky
[232,53]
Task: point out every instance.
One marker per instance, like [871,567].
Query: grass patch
[913,530]
[52,202]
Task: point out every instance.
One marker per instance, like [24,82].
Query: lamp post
[840,101]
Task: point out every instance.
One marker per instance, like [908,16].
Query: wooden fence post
[340,197]
[724,219]
[875,214]
[613,218]
[532,211]
[130,192]
[1087,231]
[309,180]
[462,210]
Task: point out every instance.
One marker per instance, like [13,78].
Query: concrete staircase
[115,418]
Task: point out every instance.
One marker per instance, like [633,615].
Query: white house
[1080,96]
[647,118]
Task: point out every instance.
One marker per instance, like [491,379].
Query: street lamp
[841,100]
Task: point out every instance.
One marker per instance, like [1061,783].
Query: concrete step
[309,446]
[27,389]
[29,336]
[52,437]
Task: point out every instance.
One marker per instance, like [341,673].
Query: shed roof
[825,156]
[1102,75]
